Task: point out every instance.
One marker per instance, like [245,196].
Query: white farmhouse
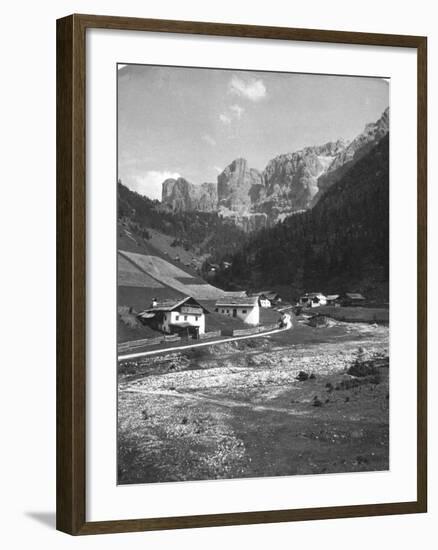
[185,316]
[264,302]
[245,308]
[267,298]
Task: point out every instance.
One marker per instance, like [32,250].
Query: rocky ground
[282,405]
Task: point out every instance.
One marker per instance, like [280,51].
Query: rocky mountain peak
[237,185]
[181,195]
[290,183]
[291,179]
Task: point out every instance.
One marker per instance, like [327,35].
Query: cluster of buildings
[187,316]
[317,299]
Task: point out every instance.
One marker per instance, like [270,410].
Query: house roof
[270,294]
[248,301]
[170,305]
[354,296]
[312,294]
[146,315]
[236,293]
[332,296]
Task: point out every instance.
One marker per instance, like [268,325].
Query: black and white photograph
[252,274]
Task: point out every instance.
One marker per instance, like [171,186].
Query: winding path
[198,345]
[222,402]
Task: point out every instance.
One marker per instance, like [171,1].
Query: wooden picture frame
[71,271]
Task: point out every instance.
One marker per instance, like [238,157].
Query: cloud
[225,119]
[149,183]
[237,110]
[233,113]
[253,89]
[208,139]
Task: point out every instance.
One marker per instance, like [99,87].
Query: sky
[193,122]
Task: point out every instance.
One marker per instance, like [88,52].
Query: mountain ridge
[341,244]
[289,184]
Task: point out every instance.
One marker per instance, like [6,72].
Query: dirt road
[138,355]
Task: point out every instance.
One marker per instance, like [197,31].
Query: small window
[177,317]
[196,318]
[243,310]
[216,310]
[223,311]
[185,317]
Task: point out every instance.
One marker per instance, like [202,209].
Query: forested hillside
[200,232]
[340,244]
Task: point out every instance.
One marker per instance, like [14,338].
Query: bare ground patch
[241,411]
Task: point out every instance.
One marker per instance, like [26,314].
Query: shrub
[251,343]
[348,384]
[361,369]
[128,316]
[302,376]
[319,321]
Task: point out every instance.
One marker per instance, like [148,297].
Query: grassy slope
[141,297]
[157,245]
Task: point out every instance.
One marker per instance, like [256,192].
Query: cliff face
[181,195]
[290,183]
[291,180]
[357,149]
[207,197]
[238,185]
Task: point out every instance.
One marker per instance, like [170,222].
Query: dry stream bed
[270,406]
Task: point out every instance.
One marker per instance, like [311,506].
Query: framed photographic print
[241,288]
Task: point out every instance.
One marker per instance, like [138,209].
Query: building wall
[175,318]
[248,314]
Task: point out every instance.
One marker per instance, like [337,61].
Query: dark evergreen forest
[341,244]
[206,232]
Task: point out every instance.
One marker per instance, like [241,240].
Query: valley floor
[237,409]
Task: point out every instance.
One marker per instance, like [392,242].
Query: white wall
[248,314]
[176,318]
[28,273]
